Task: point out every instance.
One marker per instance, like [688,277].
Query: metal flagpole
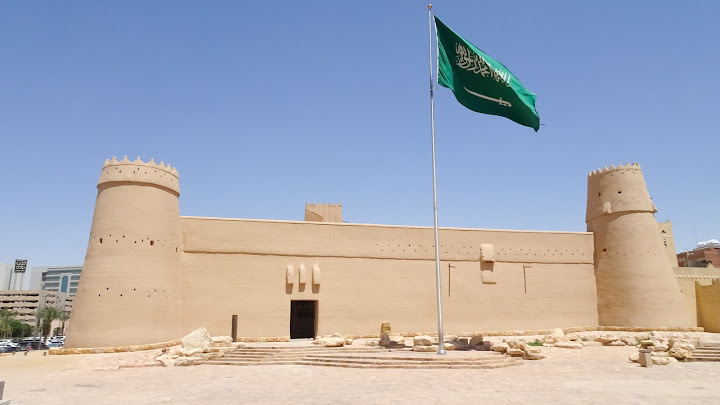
[441,347]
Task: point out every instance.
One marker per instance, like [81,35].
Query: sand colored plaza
[593,375]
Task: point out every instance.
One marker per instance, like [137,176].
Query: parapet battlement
[620,166]
[138,171]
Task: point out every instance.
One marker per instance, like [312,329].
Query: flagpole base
[441,351]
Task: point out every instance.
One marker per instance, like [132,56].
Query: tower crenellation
[138,171]
[619,188]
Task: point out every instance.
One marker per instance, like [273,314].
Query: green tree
[46,315]
[20,329]
[6,319]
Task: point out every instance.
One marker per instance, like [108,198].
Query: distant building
[25,304]
[62,279]
[706,253]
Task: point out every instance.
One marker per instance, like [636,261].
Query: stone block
[569,345]
[515,352]
[422,340]
[199,338]
[475,341]
[500,347]
[425,348]
[385,328]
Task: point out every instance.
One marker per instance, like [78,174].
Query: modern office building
[62,279]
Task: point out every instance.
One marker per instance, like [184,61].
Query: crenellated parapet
[615,189]
[138,171]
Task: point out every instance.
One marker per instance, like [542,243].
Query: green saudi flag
[481,83]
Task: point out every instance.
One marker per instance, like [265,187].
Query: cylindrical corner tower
[635,283]
[129,289]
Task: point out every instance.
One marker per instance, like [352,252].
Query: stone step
[393,364]
[334,357]
[314,347]
[311,350]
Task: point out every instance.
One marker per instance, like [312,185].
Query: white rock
[422,340]
[188,361]
[191,352]
[197,339]
[569,345]
[330,341]
[607,338]
[500,347]
[573,337]
[635,357]
[679,353]
[372,342]
[534,356]
[222,339]
[515,352]
[616,343]
[425,348]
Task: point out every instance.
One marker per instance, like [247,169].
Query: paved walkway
[593,375]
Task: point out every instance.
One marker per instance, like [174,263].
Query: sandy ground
[593,375]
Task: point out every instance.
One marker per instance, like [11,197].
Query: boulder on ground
[190,352]
[392,341]
[372,342]
[221,341]
[197,339]
[425,348]
[330,341]
[456,344]
[475,341]
[500,347]
[422,340]
[573,337]
[569,345]
[635,357]
[663,361]
[557,335]
[679,353]
[188,361]
[515,352]
[534,356]
[607,338]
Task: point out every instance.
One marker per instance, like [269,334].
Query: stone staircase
[706,352]
[360,357]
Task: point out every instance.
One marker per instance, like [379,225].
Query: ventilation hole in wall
[604,250]
[101,241]
[98,295]
[134,289]
[107,288]
[148,295]
[152,242]
[175,250]
[116,241]
[135,241]
[155,290]
[121,295]
[619,192]
[123,236]
[599,194]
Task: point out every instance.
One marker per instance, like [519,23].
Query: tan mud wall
[708,300]
[372,273]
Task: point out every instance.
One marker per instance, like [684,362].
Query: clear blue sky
[263,106]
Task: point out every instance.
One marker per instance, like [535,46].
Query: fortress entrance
[303,319]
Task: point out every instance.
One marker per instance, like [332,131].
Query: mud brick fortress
[151,275]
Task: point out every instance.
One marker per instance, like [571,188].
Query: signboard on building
[20,266]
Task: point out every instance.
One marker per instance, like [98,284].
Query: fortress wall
[372,273]
[708,299]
